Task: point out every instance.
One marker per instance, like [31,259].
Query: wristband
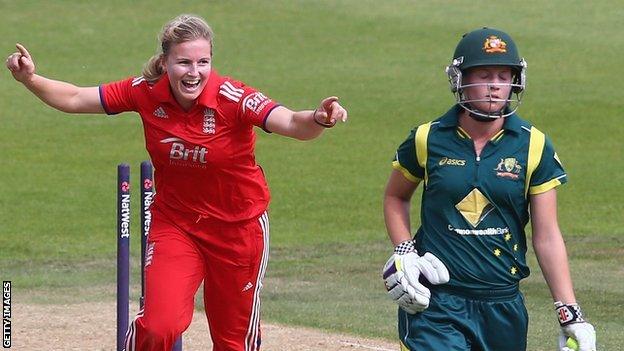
[405,247]
[568,314]
[321,123]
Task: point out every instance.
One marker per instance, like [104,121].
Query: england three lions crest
[209,126]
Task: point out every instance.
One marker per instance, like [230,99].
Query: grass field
[385,60]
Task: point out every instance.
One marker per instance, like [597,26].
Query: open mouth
[191,84]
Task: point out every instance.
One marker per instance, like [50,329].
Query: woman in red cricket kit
[210,219]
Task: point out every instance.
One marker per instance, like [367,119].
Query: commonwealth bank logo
[474,207]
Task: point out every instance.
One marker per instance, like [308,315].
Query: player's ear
[161,63]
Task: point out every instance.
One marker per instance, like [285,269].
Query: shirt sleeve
[549,173]
[406,161]
[116,97]
[255,107]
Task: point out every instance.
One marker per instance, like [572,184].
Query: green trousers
[489,320]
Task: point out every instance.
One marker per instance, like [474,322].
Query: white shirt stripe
[228,90]
[136,81]
[232,92]
[233,88]
[254,321]
[229,96]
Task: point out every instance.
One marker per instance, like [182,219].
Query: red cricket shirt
[203,158]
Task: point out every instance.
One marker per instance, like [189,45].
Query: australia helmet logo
[508,168]
[494,44]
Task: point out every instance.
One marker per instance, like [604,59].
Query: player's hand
[411,297]
[402,272]
[584,334]
[330,112]
[432,268]
[21,64]
[574,326]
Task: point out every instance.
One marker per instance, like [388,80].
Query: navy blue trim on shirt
[267,116]
[101,91]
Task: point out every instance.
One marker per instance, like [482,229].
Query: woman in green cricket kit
[482,168]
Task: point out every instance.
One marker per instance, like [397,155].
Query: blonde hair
[180,29]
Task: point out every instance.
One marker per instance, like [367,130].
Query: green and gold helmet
[487,47]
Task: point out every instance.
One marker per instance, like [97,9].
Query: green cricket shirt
[474,209]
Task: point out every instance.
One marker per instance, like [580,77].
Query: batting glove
[574,326]
[401,277]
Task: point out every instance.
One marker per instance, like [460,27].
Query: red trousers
[230,258]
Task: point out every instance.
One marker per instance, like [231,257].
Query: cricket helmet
[487,47]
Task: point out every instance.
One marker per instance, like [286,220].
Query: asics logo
[451,162]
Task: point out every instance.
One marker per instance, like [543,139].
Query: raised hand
[21,64]
[330,112]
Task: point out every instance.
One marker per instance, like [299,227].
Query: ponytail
[153,70]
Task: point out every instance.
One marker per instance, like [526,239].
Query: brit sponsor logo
[508,168]
[209,126]
[255,102]
[486,231]
[183,155]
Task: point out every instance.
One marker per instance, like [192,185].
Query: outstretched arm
[306,124]
[62,96]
